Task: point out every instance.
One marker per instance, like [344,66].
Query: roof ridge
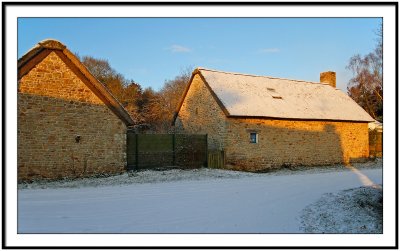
[260,76]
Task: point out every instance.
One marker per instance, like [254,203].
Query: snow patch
[357,210]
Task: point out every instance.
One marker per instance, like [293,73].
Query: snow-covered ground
[357,210]
[197,201]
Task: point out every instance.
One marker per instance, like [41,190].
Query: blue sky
[152,50]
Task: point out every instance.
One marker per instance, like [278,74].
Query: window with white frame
[253,137]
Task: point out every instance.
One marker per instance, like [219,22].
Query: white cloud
[179,49]
[269,50]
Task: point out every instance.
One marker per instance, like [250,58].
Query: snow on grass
[357,210]
[139,177]
[152,176]
[183,201]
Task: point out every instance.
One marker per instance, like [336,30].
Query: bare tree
[149,109]
[128,92]
[158,108]
[172,90]
[366,86]
[130,99]
[101,69]
[153,111]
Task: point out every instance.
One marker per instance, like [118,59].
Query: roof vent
[273,93]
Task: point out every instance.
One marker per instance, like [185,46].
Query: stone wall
[293,143]
[54,106]
[200,114]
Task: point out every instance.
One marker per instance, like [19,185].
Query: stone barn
[265,122]
[69,124]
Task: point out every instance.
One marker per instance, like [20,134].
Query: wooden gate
[375,143]
[216,159]
[150,151]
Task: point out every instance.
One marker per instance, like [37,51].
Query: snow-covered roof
[262,96]
[376,125]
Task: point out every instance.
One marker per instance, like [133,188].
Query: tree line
[150,110]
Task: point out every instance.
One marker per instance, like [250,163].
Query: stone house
[266,122]
[69,124]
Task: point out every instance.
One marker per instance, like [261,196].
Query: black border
[216,3]
[4,6]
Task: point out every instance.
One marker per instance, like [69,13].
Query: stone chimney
[328,77]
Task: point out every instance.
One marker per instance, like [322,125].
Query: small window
[254,137]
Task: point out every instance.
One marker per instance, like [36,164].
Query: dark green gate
[150,151]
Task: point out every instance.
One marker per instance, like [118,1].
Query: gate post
[206,150]
[173,149]
[136,151]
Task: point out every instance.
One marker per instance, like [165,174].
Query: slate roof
[243,95]
[45,47]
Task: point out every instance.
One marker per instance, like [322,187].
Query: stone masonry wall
[54,106]
[200,114]
[292,143]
